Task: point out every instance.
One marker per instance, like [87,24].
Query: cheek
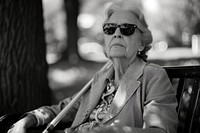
[132,45]
[106,41]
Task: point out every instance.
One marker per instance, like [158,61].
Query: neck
[120,66]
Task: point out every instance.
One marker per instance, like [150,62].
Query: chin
[117,56]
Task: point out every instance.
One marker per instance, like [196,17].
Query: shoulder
[153,67]
[105,73]
[152,70]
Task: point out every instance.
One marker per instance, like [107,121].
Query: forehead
[120,17]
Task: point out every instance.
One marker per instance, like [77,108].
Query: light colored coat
[144,102]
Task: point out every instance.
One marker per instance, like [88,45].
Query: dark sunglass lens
[127,29]
[109,29]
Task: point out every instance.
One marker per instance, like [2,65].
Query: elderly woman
[132,96]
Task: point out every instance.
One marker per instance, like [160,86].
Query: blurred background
[175,26]
[50,49]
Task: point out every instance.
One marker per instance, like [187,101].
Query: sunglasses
[125,29]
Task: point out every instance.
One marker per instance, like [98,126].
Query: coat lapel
[98,88]
[128,86]
[91,99]
[123,94]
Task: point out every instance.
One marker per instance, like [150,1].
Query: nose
[117,33]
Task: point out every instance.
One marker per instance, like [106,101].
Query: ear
[141,47]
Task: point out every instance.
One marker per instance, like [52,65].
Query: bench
[187,80]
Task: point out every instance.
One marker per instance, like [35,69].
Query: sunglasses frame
[121,29]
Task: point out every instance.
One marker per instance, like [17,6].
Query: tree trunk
[72,10]
[23,67]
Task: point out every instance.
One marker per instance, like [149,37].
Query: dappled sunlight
[86,21]
[173,54]
[160,46]
[154,119]
[91,50]
[151,113]
[52,58]
[172,24]
[55,28]
[196,44]
[120,97]
[127,129]
[64,78]
[151,5]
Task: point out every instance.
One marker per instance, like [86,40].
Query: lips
[117,45]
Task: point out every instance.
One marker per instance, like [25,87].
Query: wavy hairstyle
[146,38]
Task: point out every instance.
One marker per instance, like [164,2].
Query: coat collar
[98,88]
[127,87]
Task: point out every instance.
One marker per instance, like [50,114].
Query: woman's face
[118,45]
